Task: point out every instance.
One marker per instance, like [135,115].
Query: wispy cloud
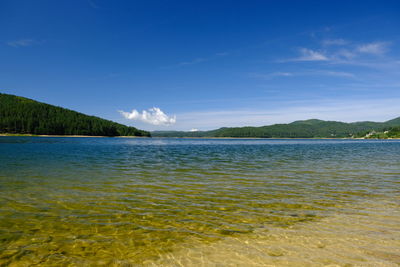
[376,48]
[368,55]
[347,52]
[272,75]
[222,54]
[202,59]
[310,55]
[344,54]
[154,116]
[329,42]
[334,73]
[22,43]
[194,61]
[93,4]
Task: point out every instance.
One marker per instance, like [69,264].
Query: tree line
[299,129]
[21,115]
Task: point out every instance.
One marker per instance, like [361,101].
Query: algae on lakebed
[123,201]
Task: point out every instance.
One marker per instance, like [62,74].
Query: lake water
[199,202]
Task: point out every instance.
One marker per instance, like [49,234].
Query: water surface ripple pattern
[130,200]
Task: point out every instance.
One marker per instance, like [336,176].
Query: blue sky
[205,64]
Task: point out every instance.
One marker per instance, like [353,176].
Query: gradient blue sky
[209,63]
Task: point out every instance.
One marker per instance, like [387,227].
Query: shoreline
[279,138]
[55,135]
[238,138]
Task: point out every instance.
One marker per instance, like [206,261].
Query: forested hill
[19,115]
[298,129]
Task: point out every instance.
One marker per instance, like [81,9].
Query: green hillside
[299,129]
[19,115]
[392,132]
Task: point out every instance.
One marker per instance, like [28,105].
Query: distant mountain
[19,115]
[299,129]
[394,122]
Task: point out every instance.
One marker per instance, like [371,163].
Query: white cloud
[376,48]
[153,116]
[194,130]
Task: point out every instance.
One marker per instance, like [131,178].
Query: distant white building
[370,134]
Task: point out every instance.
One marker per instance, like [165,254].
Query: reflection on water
[198,202]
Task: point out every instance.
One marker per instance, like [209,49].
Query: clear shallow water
[102,201]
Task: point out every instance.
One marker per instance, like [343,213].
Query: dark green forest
[299,129]
[19,115]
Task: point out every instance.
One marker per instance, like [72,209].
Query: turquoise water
[119,201]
